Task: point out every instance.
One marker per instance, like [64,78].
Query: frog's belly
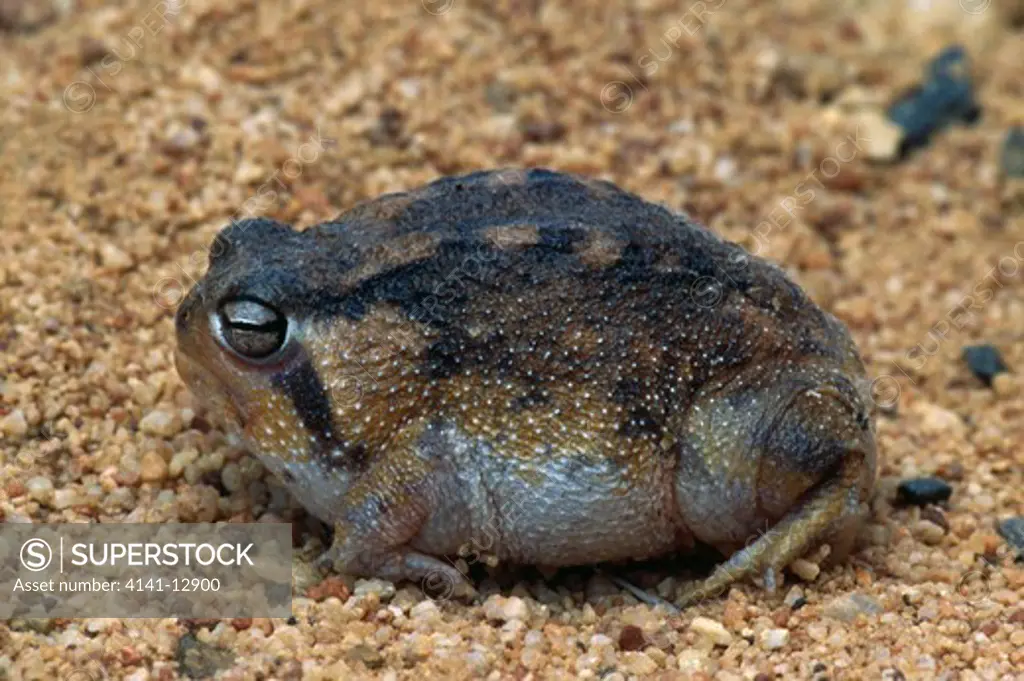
[556,511]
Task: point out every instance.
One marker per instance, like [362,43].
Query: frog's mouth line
[213,394]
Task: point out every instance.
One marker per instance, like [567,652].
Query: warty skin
[538,365]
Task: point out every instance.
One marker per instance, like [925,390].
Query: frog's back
[526,280]
[560,207]
[526,230]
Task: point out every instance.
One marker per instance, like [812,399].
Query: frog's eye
[252,329]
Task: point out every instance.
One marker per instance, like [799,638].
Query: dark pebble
[542,132]
[1013,532]
[921,491]
[500,96]
[935,515]
[198,660]
[946,96]
[632,638]
[985,361]
[388,130]
[1012,158]
[91,50]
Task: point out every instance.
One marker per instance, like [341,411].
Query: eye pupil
[253,329]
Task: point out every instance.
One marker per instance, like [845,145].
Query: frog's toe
[438,579]
[326,561]
[770,578]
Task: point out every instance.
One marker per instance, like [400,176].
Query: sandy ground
[131,134]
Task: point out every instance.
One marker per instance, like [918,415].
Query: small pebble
[368,655]
[425,610]
[1012,157]
[40,489]
[542,132]
[501,609]
[639,664]
[882,137]
[385,591]
[198,659]
[182,141]
[953,470]
[331,587]
[14,424]
[773,639]
[160,422]
[939,421]
[695,661]
[805,569]
[936,516]
[928,532]
[152,468]
[1012,531]
[113,257]
[180,460]
[209,80]
[66,498]
[631,638]
[231,477]
[847,607]
[712,630]
[248,173]
[793,596]
[985,361]
[921,491]
[99,625]
[1004,385]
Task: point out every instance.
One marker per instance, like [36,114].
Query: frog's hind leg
[826,506]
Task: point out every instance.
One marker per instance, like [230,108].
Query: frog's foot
[828,506]
[437,578]
[641,595]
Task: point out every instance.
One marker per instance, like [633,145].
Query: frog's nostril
[184,314]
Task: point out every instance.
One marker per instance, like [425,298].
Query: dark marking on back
[639,424]
[443,358]
[633,265]
[627,391]
[354,308]
[534,398]
[560,237]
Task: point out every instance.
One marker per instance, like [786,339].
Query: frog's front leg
[385,508]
